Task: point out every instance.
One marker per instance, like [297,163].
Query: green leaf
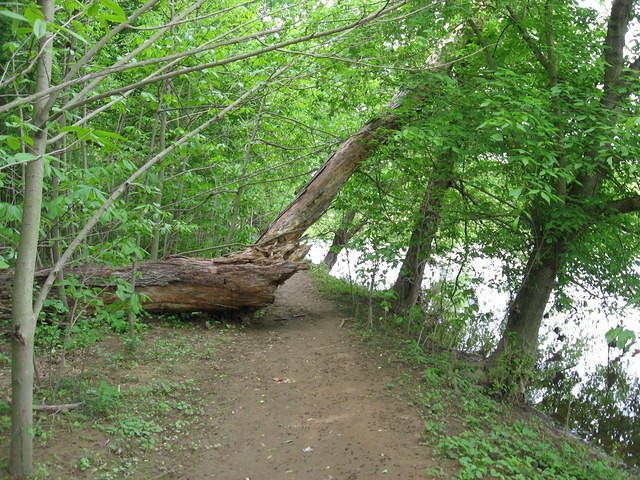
[10,212]
[112,5]
[13,15]
[39,28]
[23,157]
[545,196]
[13,142]
[497,137]
[516,192]
[148,96]
[60,28]
[621,338]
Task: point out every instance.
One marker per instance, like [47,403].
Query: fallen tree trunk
[313,200]
[244,280]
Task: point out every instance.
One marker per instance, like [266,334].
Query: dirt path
[304,402]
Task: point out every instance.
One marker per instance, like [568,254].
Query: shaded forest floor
[293,395]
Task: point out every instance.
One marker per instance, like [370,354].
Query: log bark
[244,280]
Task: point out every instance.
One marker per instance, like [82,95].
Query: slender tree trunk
[23,319]
[56,233]
[343,234]
[246,160]
[407,285]
[155,240]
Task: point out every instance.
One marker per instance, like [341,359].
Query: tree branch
[175,73]
[614,50]
[625,205]
[476,30]
[533,46]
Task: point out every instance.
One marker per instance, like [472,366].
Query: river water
[590,321]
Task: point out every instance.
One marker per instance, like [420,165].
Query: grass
[138,402]
[488,439]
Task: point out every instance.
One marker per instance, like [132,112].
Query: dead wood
[244,280]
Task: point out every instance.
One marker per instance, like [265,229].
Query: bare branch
[197,68]
[490,61]
[196,19]
[125,60]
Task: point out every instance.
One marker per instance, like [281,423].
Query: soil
[292,396]
[309,402]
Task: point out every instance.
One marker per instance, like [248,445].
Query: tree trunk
[23,318]
[407,285]
[516,352]
[247,154]
[313,200]
[244,280]
[343,234]
[155,236]
[517,347]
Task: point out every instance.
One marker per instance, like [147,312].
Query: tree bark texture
[525,313]
[243,280]
[407,285]
[23,318]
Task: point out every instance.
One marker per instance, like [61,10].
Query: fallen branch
[64,407]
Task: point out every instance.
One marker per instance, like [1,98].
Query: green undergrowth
[486,438]
[137,401]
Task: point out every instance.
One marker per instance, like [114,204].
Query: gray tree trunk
[407,285]
[519,340]
[155,239]
[23,319]
[341,237]
[511,363]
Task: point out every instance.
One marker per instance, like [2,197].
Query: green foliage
[521,451]
[5,416]
[133,428]
[621,338]
[492,445]
[102,400]
[495,443]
